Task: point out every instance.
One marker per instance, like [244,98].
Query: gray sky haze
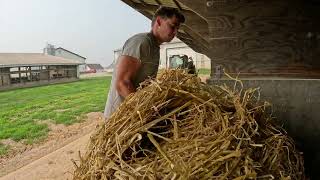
[90,28]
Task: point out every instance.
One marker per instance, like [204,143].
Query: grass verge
[23,110]
[204,71]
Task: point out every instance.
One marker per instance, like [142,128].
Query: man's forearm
[125,88]
[126,70]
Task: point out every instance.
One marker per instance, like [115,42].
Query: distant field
[22,110]
[204,71]
[201,71]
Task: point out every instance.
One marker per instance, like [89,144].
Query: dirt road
[52,161]
[56,165]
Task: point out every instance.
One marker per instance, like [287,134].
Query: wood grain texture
[276,37]
[253,37]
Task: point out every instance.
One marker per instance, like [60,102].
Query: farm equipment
[182,62]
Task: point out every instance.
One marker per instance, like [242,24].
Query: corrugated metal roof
[95,66]
[70,52]
[33,59]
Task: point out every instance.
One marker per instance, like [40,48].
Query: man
[140,56]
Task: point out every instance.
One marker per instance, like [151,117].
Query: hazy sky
[90,28]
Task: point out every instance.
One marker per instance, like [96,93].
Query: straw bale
[176,127]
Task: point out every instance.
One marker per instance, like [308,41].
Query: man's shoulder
[140,37]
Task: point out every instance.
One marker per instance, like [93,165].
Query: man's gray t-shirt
[145,48]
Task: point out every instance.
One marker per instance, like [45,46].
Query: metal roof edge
[23,65]
[71,52]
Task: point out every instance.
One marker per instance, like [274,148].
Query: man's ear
[158,21]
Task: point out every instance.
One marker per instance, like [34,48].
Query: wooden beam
[26,72]
[144,3]
[1,76]
[158,2]
[19,75]
[177,4]
[48,69]
[30,73]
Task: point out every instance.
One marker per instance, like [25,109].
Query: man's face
[168,28]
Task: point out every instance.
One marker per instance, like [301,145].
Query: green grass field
[204,71]
[22,110]
[3,149]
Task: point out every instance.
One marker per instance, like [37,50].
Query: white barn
[177,47]
[64,53]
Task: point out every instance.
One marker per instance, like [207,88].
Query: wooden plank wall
[251,37]
[263,38]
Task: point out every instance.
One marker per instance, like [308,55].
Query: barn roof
[70,52]
[95,66]
[33,59]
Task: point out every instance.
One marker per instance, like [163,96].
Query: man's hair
[168,12]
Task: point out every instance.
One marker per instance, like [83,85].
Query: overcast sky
[90,28]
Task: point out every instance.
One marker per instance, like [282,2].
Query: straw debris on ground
[176,127]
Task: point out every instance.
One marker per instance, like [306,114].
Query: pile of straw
[176,127]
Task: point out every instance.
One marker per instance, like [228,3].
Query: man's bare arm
[127,68]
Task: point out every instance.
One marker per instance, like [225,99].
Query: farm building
[64,53]
[170,50]
[178,48]
[94,68]
[31,69]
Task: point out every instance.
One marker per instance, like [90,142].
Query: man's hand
[126,70]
